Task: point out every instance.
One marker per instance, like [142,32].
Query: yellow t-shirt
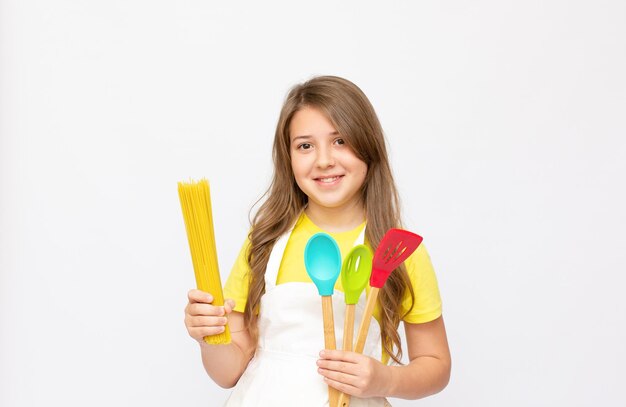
[427,305]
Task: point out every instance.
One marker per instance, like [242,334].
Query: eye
[340,141]
[304,146]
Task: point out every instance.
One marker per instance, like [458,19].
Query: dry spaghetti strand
[195,201]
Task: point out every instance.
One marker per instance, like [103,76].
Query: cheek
[298,167]
[361,167]
[294,162]
[355,162]
[363,173]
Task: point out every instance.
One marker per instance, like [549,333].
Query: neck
[336,220]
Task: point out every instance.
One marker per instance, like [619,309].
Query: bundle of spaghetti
[195,201]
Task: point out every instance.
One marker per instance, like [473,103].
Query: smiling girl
[331,174]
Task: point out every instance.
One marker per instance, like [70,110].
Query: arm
[427,372]
[224,363]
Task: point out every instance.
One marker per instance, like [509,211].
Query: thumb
[229,305]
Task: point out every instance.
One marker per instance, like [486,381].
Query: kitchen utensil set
[322,260]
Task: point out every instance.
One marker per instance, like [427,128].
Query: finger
[229,305]
[198,309]
[345,356]
[343,387]
[199,333]
[199,296]
[339,366]
[207,321]
[345,383]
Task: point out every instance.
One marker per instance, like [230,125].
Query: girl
[331,174]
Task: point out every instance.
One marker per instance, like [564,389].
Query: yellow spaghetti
[195,201]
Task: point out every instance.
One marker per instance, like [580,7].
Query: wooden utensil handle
[365,322]
[344,399]
[329,323]
[348,336]
[348,328]
[329,340]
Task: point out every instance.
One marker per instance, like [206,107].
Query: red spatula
[394,248]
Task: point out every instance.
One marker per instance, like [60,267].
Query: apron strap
[361,238]
[276,257]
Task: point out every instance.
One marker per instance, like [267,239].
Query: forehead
[310,121]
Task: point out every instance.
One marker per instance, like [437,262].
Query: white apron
[283,371]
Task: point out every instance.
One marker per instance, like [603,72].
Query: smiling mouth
[328,180]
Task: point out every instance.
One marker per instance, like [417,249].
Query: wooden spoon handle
[329,340]
[348,328]
[329,322]
[344,399]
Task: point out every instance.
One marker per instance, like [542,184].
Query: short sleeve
[427,306]
[238,283]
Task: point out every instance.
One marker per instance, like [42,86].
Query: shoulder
[419,262]
[427,305]
[244,251]
[237,284]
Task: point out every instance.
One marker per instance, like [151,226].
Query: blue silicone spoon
[322,260]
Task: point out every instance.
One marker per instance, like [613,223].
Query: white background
[506,126]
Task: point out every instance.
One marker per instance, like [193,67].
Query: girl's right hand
[203,319]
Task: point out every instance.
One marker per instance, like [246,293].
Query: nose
[325,157]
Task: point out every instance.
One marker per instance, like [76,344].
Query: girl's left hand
[354,374]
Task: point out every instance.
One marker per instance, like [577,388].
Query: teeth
[328,180]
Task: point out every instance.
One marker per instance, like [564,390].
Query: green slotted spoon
[355,273]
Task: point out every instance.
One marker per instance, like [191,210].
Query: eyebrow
[300,137]
[308,136]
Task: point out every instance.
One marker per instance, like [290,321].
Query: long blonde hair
[353,116]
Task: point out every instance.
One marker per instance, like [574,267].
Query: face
[324,167]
